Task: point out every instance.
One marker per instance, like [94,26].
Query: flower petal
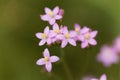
[39,35]
[47,10]
[56,10]
[45,17]
[92,41]
[49,41]
[46,30]
[40,61]
[54,59]
[42,42]
[55,26]
[84,30]
[93,34]
[58,17]
[84,44]
[46,53]
[103,77]
[72,42]
[48,66]
[64,43]
[52,21]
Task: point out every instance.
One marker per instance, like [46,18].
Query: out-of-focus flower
[47,60]
[117,44]
[107,56]
[87,37]
[103,77]
[45,37]
[68,37]
[56,33]
[51,15]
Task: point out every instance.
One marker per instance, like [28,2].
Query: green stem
[66,68]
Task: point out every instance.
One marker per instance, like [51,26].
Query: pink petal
[93,34]
[77,26]
[56,10]
[72,42]
[46,30]
[52,21]
[45,17]
[40,61]
[42,42]
[48,66]
[81,38]
[84,30]
[73,34]
[103,77]
[92,42]
[49,41]
[60,36]
[64,43]
[54,59]
[39,35]
[47,10]
[46,53]
[58,17]
[55,26]
[65,30]
[84,44]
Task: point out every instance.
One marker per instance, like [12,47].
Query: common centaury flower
[47,60]
[51,15]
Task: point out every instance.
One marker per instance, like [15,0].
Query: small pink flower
[107,56]
[68,37]
[87,37]
[117,44]
[103,77]
[77,30]
[56,33]
[51,15]
[61,12]
[47,60]
[45,37]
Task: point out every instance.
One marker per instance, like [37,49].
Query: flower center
[46,59]
[87,36]
[67,35]
[76,29]
[44,35]
[51,14]
[57,31]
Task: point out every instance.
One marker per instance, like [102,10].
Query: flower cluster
[110,54]
[62,35]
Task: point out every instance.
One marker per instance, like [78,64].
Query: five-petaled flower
[51,15]
[87,37]
[45,37]
[108,56]
[47,60]
[68,37]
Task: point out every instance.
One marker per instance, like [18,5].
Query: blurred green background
[19,50]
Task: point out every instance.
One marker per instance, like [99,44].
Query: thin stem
[66,68]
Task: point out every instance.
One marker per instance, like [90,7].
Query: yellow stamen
[46,59]
[67,35]
[87,36]
[51,14]
[44,35]
[76,29]
[57,31]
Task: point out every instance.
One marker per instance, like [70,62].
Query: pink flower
[107,56]
[51,15]
[117,44]
[77,30]
[68,37]
[87,37]
[56,33]
[103,77]
[47,60]
[61,12]
[45,37]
